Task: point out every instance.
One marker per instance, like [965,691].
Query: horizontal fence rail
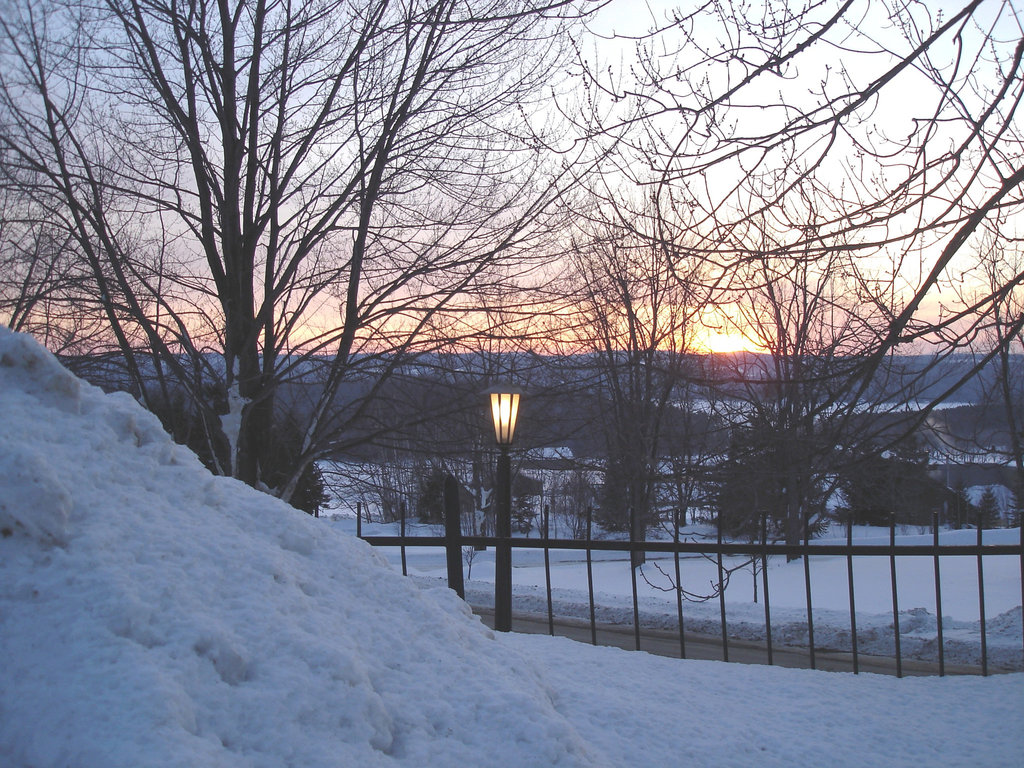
[759,552]
[708,548]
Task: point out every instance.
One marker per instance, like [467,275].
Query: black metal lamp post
[504,413]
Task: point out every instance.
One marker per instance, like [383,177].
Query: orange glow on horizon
[722,343]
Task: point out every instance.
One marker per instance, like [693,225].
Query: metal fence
[759,551]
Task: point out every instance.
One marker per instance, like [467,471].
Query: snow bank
[663,712]
[152,614]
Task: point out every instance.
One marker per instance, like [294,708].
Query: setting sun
[727,342]
[720,332]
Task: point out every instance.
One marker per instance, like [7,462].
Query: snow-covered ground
[154,615]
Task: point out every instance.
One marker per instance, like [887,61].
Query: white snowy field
[154,615]
[745,619]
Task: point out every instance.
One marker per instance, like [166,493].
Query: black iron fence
[757,551]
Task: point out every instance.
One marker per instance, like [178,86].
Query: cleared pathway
[710,647]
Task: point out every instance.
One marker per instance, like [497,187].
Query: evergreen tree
[522,514]
[430,499]
[988,510]
[524,490]
[880,485]
[961,511]
[759,478]
[1016,504]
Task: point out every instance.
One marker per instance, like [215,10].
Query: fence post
[853,599]
[547,569]
[635,562]
[807,586]
[895,594]
[981,603]
[938,595]
[453,536]
[590,575]
[401,530]
[764,581]
[721,591]
[679,585]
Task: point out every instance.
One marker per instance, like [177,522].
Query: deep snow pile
[154,615]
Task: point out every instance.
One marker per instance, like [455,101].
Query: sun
[721,343]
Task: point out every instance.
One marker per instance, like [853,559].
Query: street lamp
[504,413]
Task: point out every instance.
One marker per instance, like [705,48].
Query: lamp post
[504,413]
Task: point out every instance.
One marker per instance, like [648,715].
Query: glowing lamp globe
[504,412]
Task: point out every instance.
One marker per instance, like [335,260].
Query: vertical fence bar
[764,582]
[721,595]
[679,590]
[807,587]
[634,561]
[895,593]
[359,519]
[938,595]
[590,575]
[401,512]
[981,605]
[547,568]
[453,536]
[853,599]
[1020,530]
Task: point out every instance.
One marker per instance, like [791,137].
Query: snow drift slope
[152,614]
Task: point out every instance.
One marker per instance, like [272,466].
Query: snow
[665,712]
[231,422]
[152,614]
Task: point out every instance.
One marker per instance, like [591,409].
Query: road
[709,647]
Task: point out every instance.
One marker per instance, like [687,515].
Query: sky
[153,614]
[897,114]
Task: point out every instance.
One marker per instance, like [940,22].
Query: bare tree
[572,503]
[295,189]
[793,402]
[636,321]
[896,122]
[835,164]
[42,287]
[1003,334]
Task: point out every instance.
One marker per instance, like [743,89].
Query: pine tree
[430,500]
[988,509]
[522,514]
[962,510]
[1016,504]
